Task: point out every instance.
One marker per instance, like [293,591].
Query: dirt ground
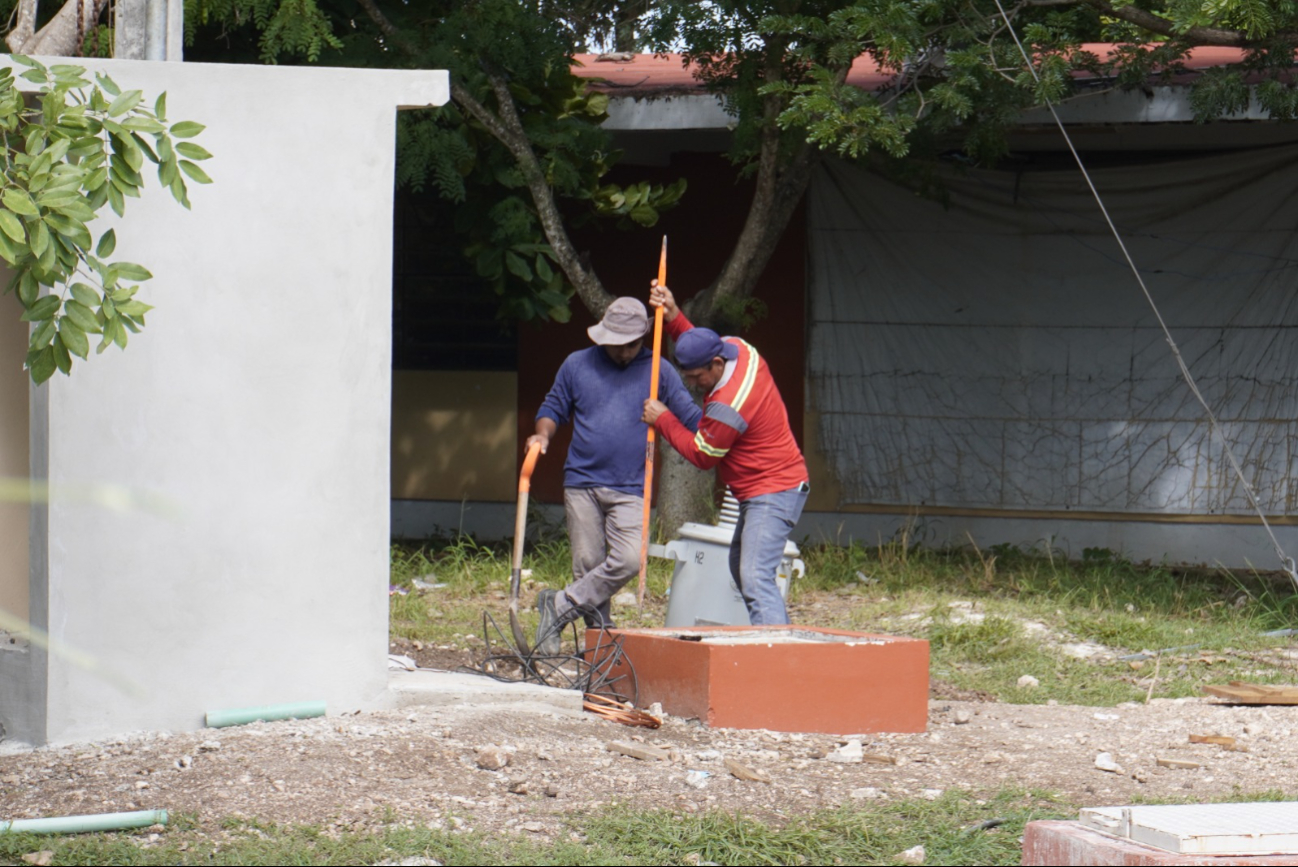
[423,764]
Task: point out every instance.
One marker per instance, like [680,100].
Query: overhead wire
[1286,562]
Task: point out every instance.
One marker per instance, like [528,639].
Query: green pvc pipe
[217,719]
[85,824]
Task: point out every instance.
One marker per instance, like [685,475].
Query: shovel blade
[520,636]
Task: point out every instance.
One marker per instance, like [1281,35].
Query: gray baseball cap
[624,321]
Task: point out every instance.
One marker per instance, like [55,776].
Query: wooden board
[1255,693]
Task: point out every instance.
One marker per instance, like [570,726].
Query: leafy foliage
[527,45]
[69,149]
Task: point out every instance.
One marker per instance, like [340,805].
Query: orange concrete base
[838,683]
[1071,843]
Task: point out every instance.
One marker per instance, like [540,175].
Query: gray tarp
[997,352]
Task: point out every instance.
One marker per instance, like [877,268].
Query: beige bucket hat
[624,321]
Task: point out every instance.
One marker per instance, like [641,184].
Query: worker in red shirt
[745,433]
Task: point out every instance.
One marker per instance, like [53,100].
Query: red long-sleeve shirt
[744,431]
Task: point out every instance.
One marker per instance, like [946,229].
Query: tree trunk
[685,493]
[62,36]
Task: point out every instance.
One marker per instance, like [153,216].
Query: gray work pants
[604,529]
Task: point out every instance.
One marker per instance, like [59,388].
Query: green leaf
[126,101]
[40,238]
[169,171]
[116,200]
[134,308]
[74,338]
[645,215]
[109,86]
[80,314]
[41,365]
[11,253]
[125,147]
[85,294]
[29,289]
[194,172]
[24,60]
[186,129]
[111,327]
[193,151]
[13,227]
[160,107]
[129,271]
[107,244]
[61,357]
[19,202]
[71,229]
[517,266]
[143,124]
[44,334]
[543,269]
[44,308]
[178,191]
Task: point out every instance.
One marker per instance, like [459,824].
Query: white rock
[867,794]
[852,751]
[962,717]
[624,599]
[1027,681]
[913,855]
[697,779]
[492,758]
[1105,762]
[931,794]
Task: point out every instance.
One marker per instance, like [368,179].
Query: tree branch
[507,128]
[25,26]
[59,37]
[589,288]
[1155,24]
[781,184]
[388,29]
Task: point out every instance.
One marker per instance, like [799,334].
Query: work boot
[549,629]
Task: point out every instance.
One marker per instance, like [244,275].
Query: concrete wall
[14,461]
[256,404]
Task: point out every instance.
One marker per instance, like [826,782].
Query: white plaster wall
[14,461]
[256,402]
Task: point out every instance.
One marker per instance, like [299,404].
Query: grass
[613,836]
[990,616]
[473,578]
[994,616]
[948,829]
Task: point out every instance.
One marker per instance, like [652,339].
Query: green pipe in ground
[85,824]
[217,719]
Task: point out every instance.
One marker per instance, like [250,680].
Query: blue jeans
[760,535]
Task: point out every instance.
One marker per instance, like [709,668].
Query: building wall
[453,435]
[250,420]
[14,461]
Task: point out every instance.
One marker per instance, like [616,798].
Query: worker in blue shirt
[602,389]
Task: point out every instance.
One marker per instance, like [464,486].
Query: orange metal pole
[651,436]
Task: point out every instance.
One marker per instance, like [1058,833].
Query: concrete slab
[1070,843]
[441,688]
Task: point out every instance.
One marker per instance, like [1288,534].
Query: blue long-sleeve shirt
[605,403]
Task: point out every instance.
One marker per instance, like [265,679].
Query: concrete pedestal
[783,678]
[1069,843]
